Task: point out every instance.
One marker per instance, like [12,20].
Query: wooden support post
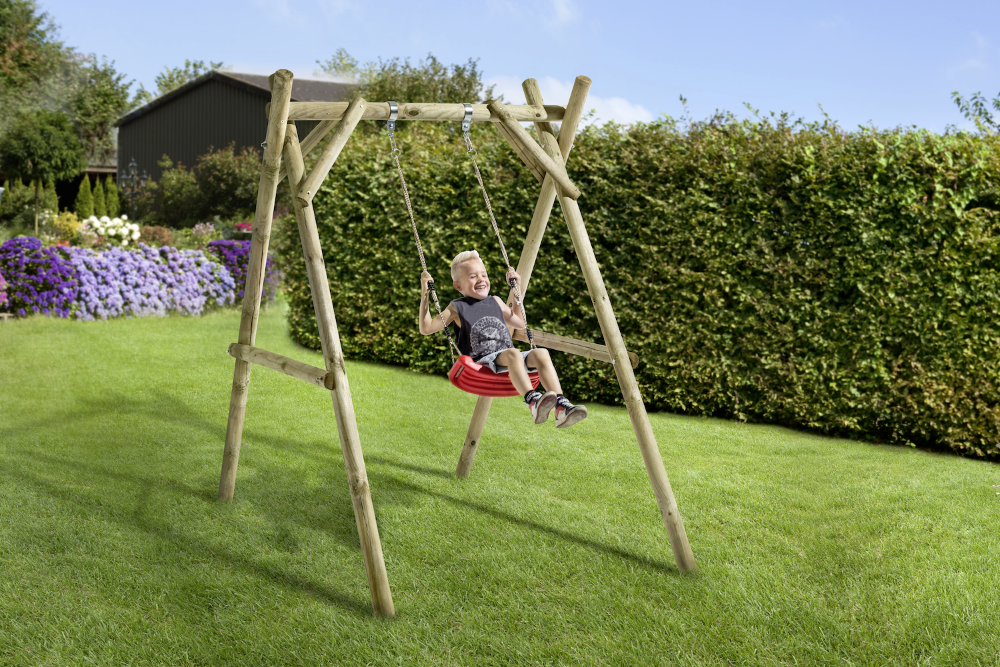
[630,389]
[533,241]
[281,93]
[538,157]
[333,355]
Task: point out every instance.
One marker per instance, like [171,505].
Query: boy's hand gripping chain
[472,152]
[393,113]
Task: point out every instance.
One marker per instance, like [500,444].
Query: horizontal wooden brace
[580,348]
[423,111]
[274,361]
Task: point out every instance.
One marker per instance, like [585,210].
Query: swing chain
[489,207]
[395,153]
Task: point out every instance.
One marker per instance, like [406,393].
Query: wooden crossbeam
[581,348]
[296,369]
[423,111]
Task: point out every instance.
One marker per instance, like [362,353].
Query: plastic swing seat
[474,378]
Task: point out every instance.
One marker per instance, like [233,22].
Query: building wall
[211,115]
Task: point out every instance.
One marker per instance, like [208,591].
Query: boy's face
[472,280]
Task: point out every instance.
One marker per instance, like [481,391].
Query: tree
[84,206]
[172,78]
[976,109]
[111,194]
[28,50]
[100,207]
[42,146]
[397,79]
[102,98]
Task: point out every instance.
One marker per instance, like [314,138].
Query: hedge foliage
[766,270]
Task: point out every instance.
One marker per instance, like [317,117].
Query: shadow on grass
[390,481]
[140,518]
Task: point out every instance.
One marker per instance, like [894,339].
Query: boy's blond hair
[460,259]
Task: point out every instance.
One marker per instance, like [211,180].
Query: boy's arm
[510,318]
[428,323]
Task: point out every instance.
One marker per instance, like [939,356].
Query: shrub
[114,203]
[67,226]
[3,292]
[40,280]
[114,232]
[155,235]
[84,205]
[764,270]
[100,207]
[89,284]
[235,256]
[176,195]
[227,182]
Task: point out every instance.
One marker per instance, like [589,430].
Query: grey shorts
[490,358]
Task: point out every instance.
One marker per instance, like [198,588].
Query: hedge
[764,270]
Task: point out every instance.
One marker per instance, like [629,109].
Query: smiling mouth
[481,286]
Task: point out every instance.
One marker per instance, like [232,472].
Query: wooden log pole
[471,445]
[538,156]
[580,348]
[630,389]
[307,189]
[281,92]
[343,406]
[282,364]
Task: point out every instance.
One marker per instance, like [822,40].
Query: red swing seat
[477,379]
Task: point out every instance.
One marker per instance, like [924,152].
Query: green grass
[114,550]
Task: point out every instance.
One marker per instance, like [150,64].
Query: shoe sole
[544,407]
[578,414]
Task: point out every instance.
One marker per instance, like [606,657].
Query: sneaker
[568,414]
[541,405]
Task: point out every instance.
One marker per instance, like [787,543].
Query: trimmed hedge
[764,270]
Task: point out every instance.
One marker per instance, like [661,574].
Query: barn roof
[303,90]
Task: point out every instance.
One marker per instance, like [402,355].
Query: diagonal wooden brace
[538,156]
[310,142]
[307,189]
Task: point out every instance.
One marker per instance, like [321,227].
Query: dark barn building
[214,110]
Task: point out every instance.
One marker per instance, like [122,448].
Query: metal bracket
[467,121]
[393,114]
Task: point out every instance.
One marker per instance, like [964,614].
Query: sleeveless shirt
[483,331]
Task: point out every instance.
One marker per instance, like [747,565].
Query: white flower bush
[113,229]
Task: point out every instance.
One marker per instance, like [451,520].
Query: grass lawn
[114,550]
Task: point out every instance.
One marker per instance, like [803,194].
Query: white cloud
[554,91]
[979,61]
[565,10]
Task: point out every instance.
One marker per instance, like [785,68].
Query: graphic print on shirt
[489,335]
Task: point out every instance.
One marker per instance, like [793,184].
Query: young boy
[481,322]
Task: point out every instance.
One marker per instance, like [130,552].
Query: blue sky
[876,62]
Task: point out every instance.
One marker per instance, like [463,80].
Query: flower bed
[90,284]
[235,255]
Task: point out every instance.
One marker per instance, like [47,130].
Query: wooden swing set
[546,159]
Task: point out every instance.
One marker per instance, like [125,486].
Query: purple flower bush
[40,280]
[148,281]
[235,256]
[3,292]
[90,284]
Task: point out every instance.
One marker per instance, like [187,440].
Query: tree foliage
[84,204]
[102,98]
[29,51]
[977,109]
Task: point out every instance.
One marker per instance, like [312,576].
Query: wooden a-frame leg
[333,355]
[630,389]
[281,94]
